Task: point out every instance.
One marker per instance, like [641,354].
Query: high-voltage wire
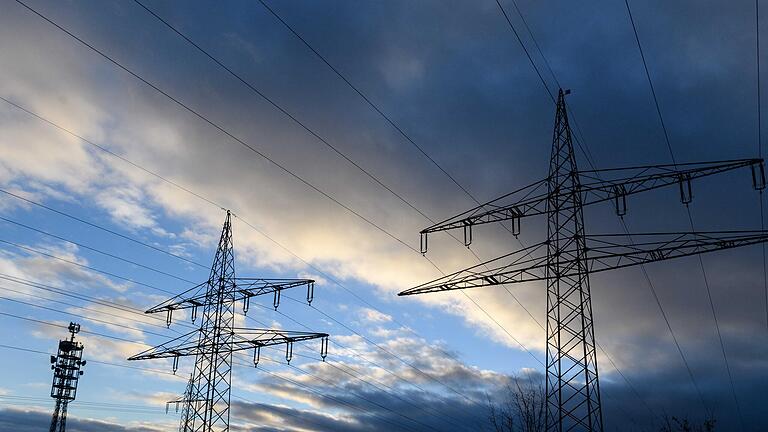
[181,187]
[324,274]
[84,266]
[93,225]
[236,139]
[589,158]
[82,405]
[186,107]
[107,336]
[92,249]
[324,141]
[439,416]
[78,296]
[150,268]
[222,129]
[117,257]
[690,216]
[583,148]
[125,308]
[760,146]
[280,108]
[46,353]
[479,306]
[369,102]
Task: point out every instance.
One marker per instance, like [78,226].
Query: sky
[114,178]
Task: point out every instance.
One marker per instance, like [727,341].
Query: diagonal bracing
[569,255]
[206,400]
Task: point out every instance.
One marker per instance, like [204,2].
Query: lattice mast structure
[206,401]
[66,365]
[569,255]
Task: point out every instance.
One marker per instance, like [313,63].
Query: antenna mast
[66,366]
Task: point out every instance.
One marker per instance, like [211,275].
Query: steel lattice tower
[211,379]
[571,359]
[66,366]
[206,401]
[565,260]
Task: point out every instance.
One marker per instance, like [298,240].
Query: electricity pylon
[66,366]
[207,398]
[569,255]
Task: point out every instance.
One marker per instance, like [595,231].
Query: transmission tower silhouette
[569,255]
[66,366]
[206,401]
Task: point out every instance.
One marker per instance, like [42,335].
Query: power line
[107,336]
[473,300]
[222,129]
[369,102]
[316,135]
[652,288]
[93,225]
[650,84]
[78,296]
[149,332]
[527,54]
[77,264]
[280,108]
[535,43]
[584,149]
[17,348]
[79,315]
[92,249]
[690,217]
[760,147]
[329,277]
[409,139]
[228,134]
[87,405]
[137,282]
[168,373]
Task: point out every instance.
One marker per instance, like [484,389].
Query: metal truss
[593,189]
[569,255]
[66,365]
[206,401]
[603,253]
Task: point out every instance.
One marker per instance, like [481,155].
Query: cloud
[463,91]
[21,420]
[374,316]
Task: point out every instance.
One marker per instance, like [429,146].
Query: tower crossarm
[604,252]
[188,345]
[244,288]
[526,201]
[596,186]
[614,183]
